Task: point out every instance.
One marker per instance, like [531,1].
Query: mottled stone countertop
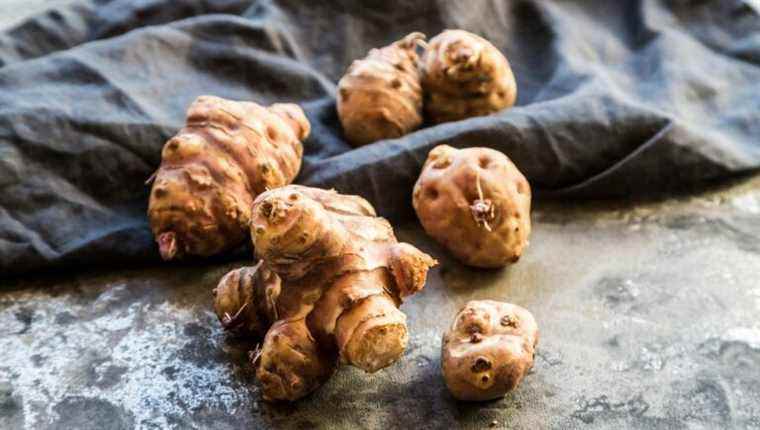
[649,317]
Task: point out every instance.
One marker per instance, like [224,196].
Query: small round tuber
[488,350]
[227,154]
[331,278]
[464,75]
[380,96]
[475,203]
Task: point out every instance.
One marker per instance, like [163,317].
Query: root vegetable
[488,350]
[380,96]
[343,276]
[464,75]
[211,171]
[476,203]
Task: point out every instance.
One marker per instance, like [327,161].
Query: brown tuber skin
[343,275]
[380,96]
[488,350]
[464,75]
[211,171]
[475,203]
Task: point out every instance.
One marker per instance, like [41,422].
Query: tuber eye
[520,187]
[159,192]
[481,364]
[344,93]
[272,132]
[266,209]
[483,161]
[508,321]
[432,192]
[442,163]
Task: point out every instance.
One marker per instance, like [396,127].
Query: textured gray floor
[648,317]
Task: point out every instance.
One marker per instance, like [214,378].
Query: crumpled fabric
[615,99]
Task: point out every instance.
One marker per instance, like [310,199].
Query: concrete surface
[648,316]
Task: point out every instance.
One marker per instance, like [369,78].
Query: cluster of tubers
[330,274]
[386,94]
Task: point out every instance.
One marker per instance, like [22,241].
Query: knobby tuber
[327,289]
[475,203]
[488,350]
[380,96]
[211,171]
[464,75]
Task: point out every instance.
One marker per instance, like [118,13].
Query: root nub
[482,209]
[167,245]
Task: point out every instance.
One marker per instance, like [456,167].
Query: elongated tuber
[488,350]
[211,171]
[380,96]
[464,75]
[341,278]
[476,203]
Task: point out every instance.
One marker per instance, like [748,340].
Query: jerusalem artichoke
[488,350]
[476,203]
[211,171]
[380,96]
[464,75]
[343,275]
